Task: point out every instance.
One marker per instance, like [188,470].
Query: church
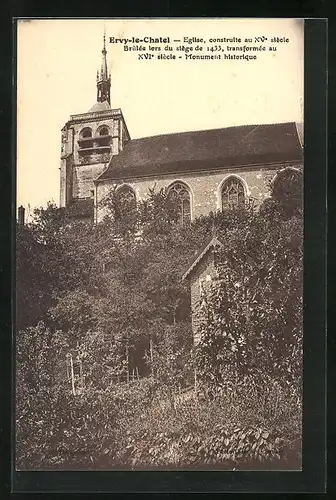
[207,169]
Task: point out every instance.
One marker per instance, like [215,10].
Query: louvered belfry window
[183,196]
[233,194]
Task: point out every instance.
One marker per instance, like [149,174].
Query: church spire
[103,78]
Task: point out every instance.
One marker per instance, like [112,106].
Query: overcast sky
[57,64]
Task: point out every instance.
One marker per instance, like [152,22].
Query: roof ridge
[204,149]
[232,127]
[215,241]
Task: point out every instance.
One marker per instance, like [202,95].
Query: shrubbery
[252,322]
[105,364]
[132,425]
[226,431]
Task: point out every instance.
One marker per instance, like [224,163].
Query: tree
[33,287]
[54,256]
[252,323]
[286,198]
[114,306]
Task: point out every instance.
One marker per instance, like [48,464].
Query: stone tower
[89,140]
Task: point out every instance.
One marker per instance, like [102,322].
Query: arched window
[85,140]
[288,183]
[104,131]
[86,132]
[287,190]
[233,194]
[180,191]
[126,198]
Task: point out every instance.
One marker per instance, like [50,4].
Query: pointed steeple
[103,69]
[103,78]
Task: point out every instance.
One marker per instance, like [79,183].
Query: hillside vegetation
[105,372]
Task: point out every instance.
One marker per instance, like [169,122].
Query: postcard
[159,238]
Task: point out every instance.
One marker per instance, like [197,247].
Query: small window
[183,197]
[126,197]
[202,293]
[86,132]
[233,194]
[104,131]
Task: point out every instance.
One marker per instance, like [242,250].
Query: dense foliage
[105,358]
[252,325]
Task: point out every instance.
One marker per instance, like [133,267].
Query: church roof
[100,106]
[206,150]
[300,131]
[213,244]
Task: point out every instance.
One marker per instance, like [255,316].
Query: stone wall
[83,177]
[204,270]
[66,184]
[95,125]
[79,169]
[204,187]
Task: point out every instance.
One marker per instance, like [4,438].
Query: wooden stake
[72,376]
[81,373]
[67,367]
[137,371]
[127,374]
[151,354]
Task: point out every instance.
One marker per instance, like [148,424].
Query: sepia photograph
[159,244]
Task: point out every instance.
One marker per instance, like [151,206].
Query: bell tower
[103,79]
[89,140]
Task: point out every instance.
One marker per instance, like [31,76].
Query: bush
[131,426]
[117,299]
[237,428]
[251,322]
[71,431]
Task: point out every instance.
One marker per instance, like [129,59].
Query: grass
[224,432]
